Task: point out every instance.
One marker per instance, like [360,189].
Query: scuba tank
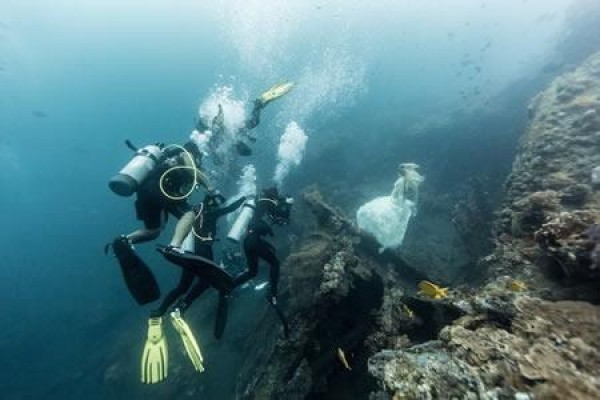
[129,179]
[189,243]
[241,223]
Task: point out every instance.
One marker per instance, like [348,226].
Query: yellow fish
[432,291]
[516,285]
[342,357]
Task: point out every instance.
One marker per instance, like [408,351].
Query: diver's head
[271,193]
[281,213]
[213,199]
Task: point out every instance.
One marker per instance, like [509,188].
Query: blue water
[79,77]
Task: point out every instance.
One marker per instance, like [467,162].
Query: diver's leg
[185,282]
[203,250]
[254,119]
[250,251]
[221,319]
[143,235]
[183,228]
[251,271]
[154,219]
[197,290]
[267,253]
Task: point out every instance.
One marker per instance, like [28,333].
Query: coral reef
[551,195]
[514,339]
[545,349]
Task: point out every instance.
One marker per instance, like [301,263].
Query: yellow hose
[178,167]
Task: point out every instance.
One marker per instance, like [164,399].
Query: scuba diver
[162,177]
[276,209]
[204,229]
[216,136]
[195,264]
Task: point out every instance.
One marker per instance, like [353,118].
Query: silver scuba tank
[129,179]
[241,223]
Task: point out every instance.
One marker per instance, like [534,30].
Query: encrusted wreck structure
[529,331]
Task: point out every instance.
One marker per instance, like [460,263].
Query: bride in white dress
[387,217]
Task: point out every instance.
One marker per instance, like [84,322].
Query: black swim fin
[138,277]
[212,273]
[221,318]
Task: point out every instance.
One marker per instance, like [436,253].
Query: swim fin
[155,359]
[138,277]
[216,276]
[275,92]
[221,318]
[189,342]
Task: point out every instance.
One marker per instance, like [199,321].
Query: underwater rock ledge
[530,331]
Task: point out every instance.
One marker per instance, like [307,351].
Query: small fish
[410,313]
[39,114]
[432,291]
[343,360]
[261,286]
[516,285]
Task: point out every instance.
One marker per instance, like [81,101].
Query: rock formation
[520,335]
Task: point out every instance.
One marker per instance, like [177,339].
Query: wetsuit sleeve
[232,207]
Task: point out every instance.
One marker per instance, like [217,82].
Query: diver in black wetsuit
[243,135]
[152,206]
[204,230]
[277,209]
[161,193]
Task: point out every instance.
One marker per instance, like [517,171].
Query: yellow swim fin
[189,342]
[275,92]
[155,359]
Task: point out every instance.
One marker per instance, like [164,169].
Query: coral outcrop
[332,289]
[514,340]
[551,194]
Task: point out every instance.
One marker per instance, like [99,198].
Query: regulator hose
[196,175]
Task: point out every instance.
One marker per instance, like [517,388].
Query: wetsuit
[256,248]
[152,207]
[205,228]
[151,203]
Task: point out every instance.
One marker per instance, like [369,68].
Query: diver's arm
[183,228]
[232,207]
